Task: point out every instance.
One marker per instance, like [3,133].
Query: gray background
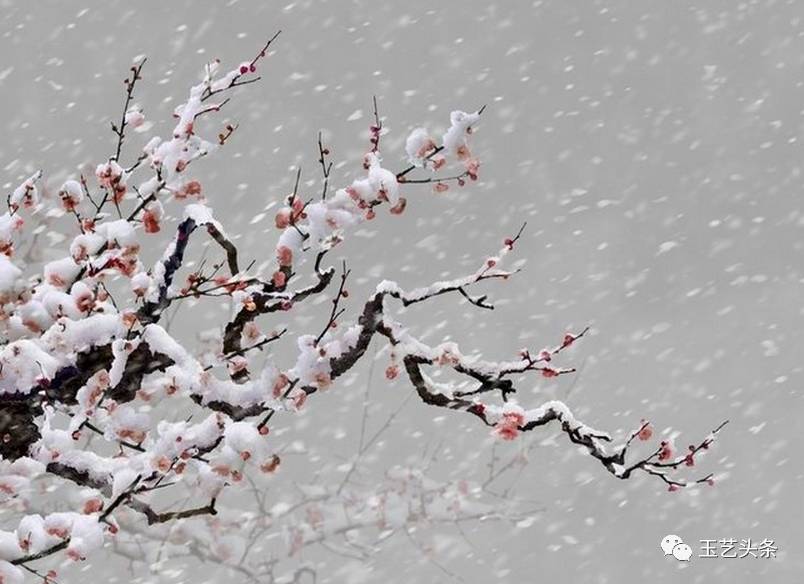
[653,148]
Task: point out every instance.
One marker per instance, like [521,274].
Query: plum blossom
[284,256]
[454,139]
[111,177]
[134,117]
[151,217]
[665,451]
[10,574]
[72,194]
[507,428]
[26,195]
[418,146]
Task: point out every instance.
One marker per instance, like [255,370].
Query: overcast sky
[652,147]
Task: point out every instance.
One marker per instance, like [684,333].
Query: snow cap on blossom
[71,193]
[9,274]
[125,422]
[109,174]
[151,217]
[209,482]
[9,225]
[11,574]
[511,417]
[85,536]
[31,534]
[26,195]
[418,146]
[83,297]
[89,394]
[60,524]
[245,440]
[85,245]
[312,368]
[10,546]
[140,283]
[119,233]
[61,273]
[24,362]
[513,412]
[460,125]
[134,117]
[122,480]
[382,180]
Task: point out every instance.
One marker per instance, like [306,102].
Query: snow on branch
[88,365]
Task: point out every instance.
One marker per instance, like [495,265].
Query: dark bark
[17,428]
